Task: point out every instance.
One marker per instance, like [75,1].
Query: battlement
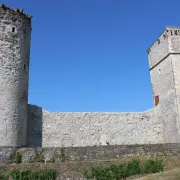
[167,43]
[168,32]
[171,30]
[16,11]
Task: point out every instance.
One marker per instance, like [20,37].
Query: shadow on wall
[34,133]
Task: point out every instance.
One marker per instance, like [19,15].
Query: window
[24,67]
[13,29]
[156,100]
[175,32]
[159,72]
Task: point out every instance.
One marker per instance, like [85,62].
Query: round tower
[15,32]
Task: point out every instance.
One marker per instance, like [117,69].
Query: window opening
[156,99]
[13,29]
[159,72]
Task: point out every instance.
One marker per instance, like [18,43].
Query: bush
[3,174]
[152,166]
[38,175]
[3,177]
[116,172]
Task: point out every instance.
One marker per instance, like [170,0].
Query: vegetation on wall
[62,155]
[39,156]
[16,157]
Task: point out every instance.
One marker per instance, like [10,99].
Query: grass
[173,174]
[171,165]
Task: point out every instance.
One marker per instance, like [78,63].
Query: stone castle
[24,125]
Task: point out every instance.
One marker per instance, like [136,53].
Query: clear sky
[90,55]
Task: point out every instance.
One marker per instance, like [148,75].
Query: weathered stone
[15,31]
[28,125]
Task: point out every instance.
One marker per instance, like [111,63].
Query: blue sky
[90,55]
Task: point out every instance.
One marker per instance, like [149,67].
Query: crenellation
[17,11]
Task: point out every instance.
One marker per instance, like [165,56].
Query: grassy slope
[173,174]
[171,170]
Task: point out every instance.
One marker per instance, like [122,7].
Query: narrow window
[24,66]
[159,72]
[13,29]
[156,100]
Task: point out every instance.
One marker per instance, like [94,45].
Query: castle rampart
[28,125]
[82,129]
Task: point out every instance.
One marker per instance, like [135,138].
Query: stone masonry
[31,126]
[15,31]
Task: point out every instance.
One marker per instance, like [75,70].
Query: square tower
[164,62]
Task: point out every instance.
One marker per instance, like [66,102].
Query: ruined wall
[15,31]
[92,129]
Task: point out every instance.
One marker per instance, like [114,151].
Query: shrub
[133,168]
[116,172]
[152,166]
[3,177]
[38,175]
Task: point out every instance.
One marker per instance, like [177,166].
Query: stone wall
[162,78]
[89,153]
[176,68]
[158,50]
[80,129]
[15,32]
[164,71]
